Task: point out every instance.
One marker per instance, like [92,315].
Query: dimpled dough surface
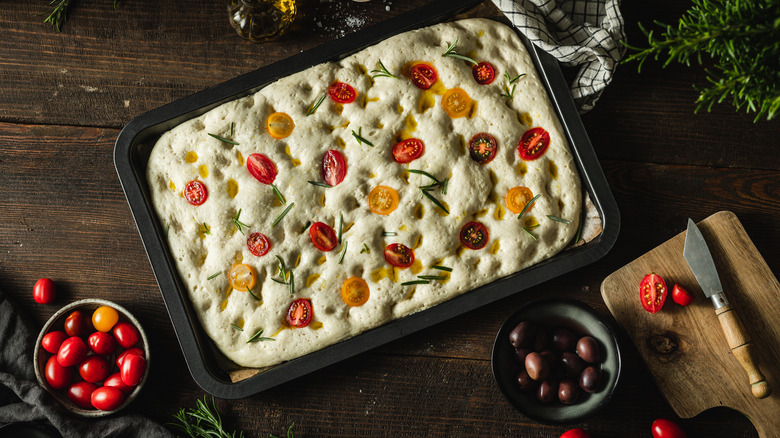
[385,108]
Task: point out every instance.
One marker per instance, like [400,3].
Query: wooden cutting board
[684,347]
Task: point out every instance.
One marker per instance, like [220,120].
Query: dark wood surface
[65,96]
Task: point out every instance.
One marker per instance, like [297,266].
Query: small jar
[261,20]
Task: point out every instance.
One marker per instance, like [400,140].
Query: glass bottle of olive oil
[261,20]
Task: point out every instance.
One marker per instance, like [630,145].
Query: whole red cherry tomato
[575,433]
[57,376]
[681,296]
[132,370]
[51,341]
[102,343]
[107,398]
[135,350]
[663,428]
[77,324]
[80,393]
[43,291]
[94,369]
[334,167]
[72,351]
[125,334]
[652,292]
[115,380]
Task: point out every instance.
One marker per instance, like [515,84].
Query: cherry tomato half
[104,318]
[121,358]
[195,192]
[57,376]
[80,393]
[132,370]
[323,236]
[517,198]
[456,103]
[279,125]
[334,167]
[77,324]
[43,291]
[258,244]
[483,148]
[355,291]
[262,168]
[115,381]
[474,235]
[126,335]
[408,150]
[72,351]
[342,93]
[681,296]
[51,341]
[382,200]
[663,428]
[533,144]
[652,292]
[107,398]
[423,75]
[399,255]
[483,73]
[102,343]
[300,313]
[242,277]
[94,369]
[575,433]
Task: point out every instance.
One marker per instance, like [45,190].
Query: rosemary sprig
[442,268]
[284,213]
[320,184]
[58,14]
[409,283]
[557,219]
[453,54]
[239,225]
[206,229]
[279,194]
[343,251]
[223,139]
[509,92]
[528,205]
[237,327]
[287,275]
[256,337]
[306,226]
[425,190]
[203,421]
[422,172]
[434,200]
[382,72]
[365,249]
[214,275]
[314,107]
[359,137]
[252,293]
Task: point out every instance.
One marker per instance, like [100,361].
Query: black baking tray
[209,368]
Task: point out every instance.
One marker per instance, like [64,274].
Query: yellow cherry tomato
[383,200]
[242,277]
[456,102]
[517,198]
[354,291]
[104,318]
[279,125]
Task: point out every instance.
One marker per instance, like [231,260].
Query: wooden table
[65,96]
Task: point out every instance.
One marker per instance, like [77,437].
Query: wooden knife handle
[742,348]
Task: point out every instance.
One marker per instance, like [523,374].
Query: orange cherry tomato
[456,102]
[300,313]
[423,75]
[354,291]
[342,93]
[258,244]
[474,235]
[195,192]
[483,148]
[399,255]
[483,73]
[517,198]
[242,277]
[382,200]
[533,144]
[104,318]
[408,150]
[279,125]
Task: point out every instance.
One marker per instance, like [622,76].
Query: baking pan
[209,368]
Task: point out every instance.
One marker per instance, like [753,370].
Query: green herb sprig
[359,137]
[314,107]
[382,72]
[509,88]
[226,140]
[287,276]
[206,229]
[290,432]
[425,190]
[283,214]
[320,184]
[279,194]
[452,53]
[365,249]
[238,224]
[58,14]
[203,421]
[257,338]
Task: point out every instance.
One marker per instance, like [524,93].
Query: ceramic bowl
[56,322]
[551,313]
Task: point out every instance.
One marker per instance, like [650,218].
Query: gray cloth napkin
[22,399]
[585,33]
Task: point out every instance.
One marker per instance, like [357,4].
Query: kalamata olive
[588,349]
[520,354]
[563,339]
[542,339]
[523,335]
[537,366]
[568,391]
[571,364]
[547,391]
[590,378]
[524,381]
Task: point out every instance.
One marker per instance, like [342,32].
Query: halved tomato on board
[408,150]
[399,255]
[533,144]
[258,244]
[195,192]
[342,93]
[483,148]
[423,75]
[355,291]
[334,167]
[300,313]
[474,235]
[262,168]
[323,236]
[652,292]
[483,73]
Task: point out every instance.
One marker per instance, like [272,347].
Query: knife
[699,258]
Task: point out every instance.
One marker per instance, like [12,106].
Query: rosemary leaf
[206,229]
[223,139]
[528,205]
[453,54]
[320,184]
[359,137]
[442,268]
[256,337]
[167,228]
[422,172]
[240,225]
[292,282]
[343,251]
[341,225]
[284,213]
[214,275]
[279,194]
[389,233]
[306,227]
[382,72]
[252,293]
[314,107]
[529,232]
[434,200]
[365,249]
[237,327]
[279,281]
[557,219]
[409,283]
[431,277]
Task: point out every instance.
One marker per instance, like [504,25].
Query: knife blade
[699,259]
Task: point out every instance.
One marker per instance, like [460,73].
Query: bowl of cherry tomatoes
[93,357]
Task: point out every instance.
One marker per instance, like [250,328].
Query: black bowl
[551,313]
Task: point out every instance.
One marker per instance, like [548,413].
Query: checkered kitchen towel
[585,33]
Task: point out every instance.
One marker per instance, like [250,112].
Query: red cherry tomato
[262,168]
[474,235]
[423,75]
[132,370]
[483,73]
[652,292]
[43,291]
[80,393]
[533,144]
[195,192]
[258,244]
[51,341]
[77,324]
[94,369]
[107,398]
[334,168]
[399,255]
[300,313]
[72,351]
[102,343]
[323,236]
[135,350]
[126,334]
[342,93]
[115,381]
[408,150]
[663,428]
[483,148]
[681,296]
[575,433]
[57,376]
